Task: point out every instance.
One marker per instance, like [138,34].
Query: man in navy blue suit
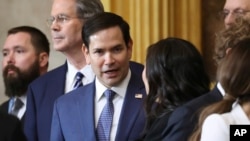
[66,21]
[183,120]
[108,49]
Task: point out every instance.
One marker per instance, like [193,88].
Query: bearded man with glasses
[234,9]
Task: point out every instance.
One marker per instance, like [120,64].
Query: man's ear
[85,51]
[43,59]
[130,47]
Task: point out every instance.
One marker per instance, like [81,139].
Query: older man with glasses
[234,9]
[66,21]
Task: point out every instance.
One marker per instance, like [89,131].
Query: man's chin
[12,75]
[58,48]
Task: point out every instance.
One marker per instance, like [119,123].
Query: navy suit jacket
[74,118]
[41,95]
[184,119]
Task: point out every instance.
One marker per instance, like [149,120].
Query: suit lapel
[132,106]
[85,105]
[57,83]
[213,96]
[53,89]
[217,94]
[5,106]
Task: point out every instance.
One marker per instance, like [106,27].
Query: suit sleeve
[214,128]
[30,117]
[56,130]
[180,125]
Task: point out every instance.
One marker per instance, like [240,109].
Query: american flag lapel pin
[138,95]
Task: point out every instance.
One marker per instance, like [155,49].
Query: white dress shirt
[71,76]
[216,126]
[100,101]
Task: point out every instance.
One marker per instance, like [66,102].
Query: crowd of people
[100,94]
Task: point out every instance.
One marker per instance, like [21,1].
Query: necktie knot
[78,82]
[109,94]
[17,105]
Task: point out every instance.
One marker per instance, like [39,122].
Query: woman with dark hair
[174,74]
[233,74]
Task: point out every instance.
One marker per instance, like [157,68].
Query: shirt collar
[222,91]
[239,114]
[23,99]
[86,71]
[71,72]
[119,90]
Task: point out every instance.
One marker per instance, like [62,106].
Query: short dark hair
[38,38]
[103,21]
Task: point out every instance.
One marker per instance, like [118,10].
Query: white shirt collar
[239,114]
[23,99]
[70,76]
[119,90]
[222,91]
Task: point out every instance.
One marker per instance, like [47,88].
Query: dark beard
[17,85]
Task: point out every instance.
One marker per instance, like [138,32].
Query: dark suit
[184,119]
[156,129]
[40,101]
[74,114]
[5,108]
[10,128]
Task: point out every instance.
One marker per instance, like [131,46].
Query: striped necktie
[78,82]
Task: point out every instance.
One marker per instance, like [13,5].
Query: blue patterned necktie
[78,82]
[105,121]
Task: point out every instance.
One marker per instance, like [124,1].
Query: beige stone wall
[25,12]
